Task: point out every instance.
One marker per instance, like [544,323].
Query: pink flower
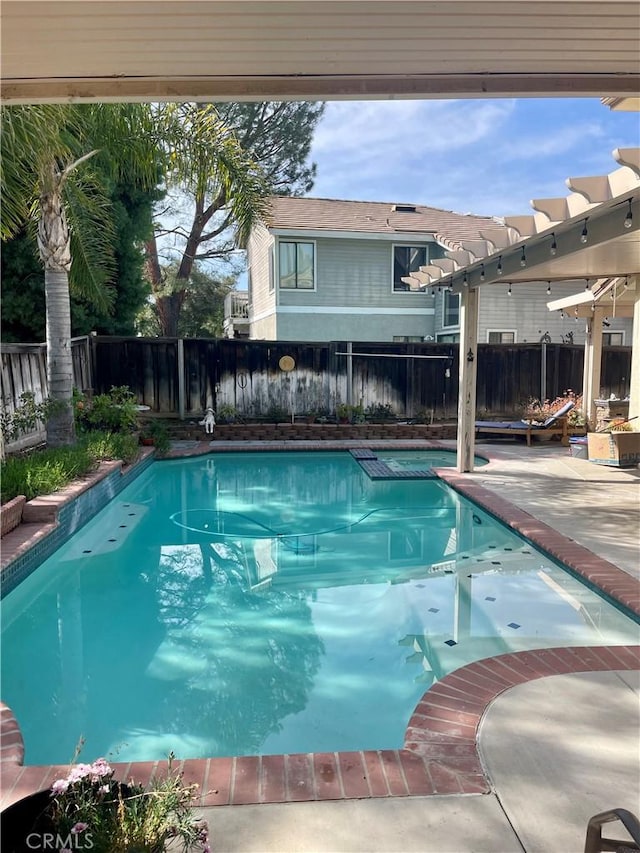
[80,771]
[104,789]
[100,769]
[79,827]
[59,786]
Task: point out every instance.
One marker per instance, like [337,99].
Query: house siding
[337,326]
[353,273]
[526,313]
[262,301]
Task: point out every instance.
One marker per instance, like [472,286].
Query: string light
[548,288]
[509,290]
[586,284]
[584,234]
[523,258]
[628,220]
[465,280]
[499,270]
[554,245]
[482,273]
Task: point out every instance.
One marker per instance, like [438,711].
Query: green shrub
[112,412]
[111,445]
[43,471]
[26,416]
[380,412]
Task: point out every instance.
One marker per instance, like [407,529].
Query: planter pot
[11,513]
[25,826]
[24,823]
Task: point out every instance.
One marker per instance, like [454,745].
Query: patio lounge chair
[554,425]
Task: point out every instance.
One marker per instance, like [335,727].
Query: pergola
[213,50]
[591,235]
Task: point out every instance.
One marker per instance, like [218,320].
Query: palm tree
[46,179]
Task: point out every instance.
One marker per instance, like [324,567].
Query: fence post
[543,372]
[181,378]
[350,373]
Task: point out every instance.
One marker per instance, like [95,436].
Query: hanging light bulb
[628,220]
[548,288]
[499,270]
[465,280]
[482,273]
[584,234]
[554,245]
[433,292]
[509,290]
[523,258]
[586,285]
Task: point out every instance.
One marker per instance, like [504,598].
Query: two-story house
[327,269]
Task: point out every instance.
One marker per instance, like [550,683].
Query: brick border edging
[440,754]
[619,586]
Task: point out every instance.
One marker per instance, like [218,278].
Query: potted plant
[156,434]
[343,413]
[89,809]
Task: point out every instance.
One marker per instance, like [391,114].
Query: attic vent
[404,208]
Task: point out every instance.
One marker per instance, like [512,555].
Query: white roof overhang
[107,50]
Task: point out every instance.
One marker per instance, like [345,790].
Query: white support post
[634,403]
[592,366]
[467,384]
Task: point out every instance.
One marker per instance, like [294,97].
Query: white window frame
[613,332]
[446,295]
[513,332]
[315,265]
[272,269]
[404,245]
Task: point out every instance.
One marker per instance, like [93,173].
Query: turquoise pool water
[420,460]
[265,603]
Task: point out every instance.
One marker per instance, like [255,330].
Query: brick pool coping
[440,753]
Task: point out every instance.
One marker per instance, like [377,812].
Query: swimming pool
[266,603]
[417,460]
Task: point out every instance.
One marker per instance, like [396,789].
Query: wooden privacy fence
[24,370]
[183,377]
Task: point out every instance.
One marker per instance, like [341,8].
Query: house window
[499,337]
[451,309]
[613,339]
[407,259]
[297,261]
[407,339]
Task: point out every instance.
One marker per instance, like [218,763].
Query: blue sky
[488,157]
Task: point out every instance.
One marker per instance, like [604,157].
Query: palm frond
[92,240]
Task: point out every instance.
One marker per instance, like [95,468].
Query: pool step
[377,470]
[363,453]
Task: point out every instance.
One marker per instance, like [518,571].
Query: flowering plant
[539,410]
[90,809]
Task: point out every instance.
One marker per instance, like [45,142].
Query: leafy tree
[202,313]
[49,175]
[274,138]
[23,297]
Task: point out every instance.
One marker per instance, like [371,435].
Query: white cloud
[483,156]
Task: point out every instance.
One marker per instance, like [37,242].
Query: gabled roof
[377,217]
